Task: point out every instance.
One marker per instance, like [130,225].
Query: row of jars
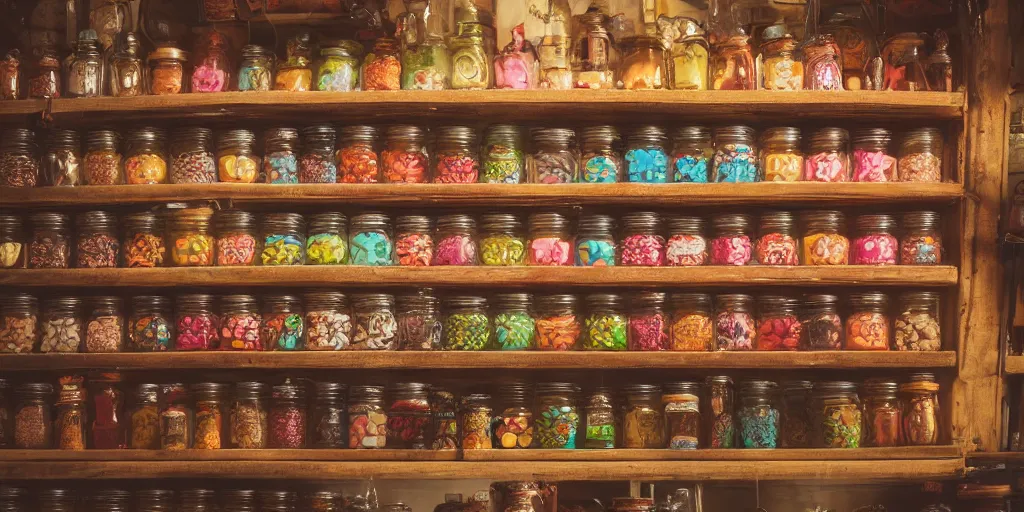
[199,236]
[677,415]
[324,321]
[324,154]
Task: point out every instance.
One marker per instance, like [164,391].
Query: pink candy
[550,251]
[196,332]
[875,250]
[643,250]
[455,250]
[727,250]
[206,78]
[686,251]
[873,166]
[825,167]
[648,332]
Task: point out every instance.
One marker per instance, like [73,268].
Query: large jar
[414,240]
[688,70]
[249,416]
[601,162]
[828,160]
[144,419]
[731,243]
[600,420]
[758,414]
[595,241]
[734,322]
[643,64]
[33,418]
[145,160]
[917,324]
[824,242]
[642,243]
[557,419]
[212,70]
[328,417]
[501,240]
[339,67]
[648,322]
[883,414]
[98,244]
[686,245]
[455,155]
[149,327]
[778,327]
[874,242]
[236,238]
[236,162]
[296,73]
[558,326]
[782,70]
[795,422]
[409,425]
[367,421]
[191,157]
[777,243]
[731,66]
[61,164]
[472,55]
[503,158]
[282,323]
[318,163]
[691,152]
[211,416]
[475,417]
[550,242]
[373,321]
[280,161]
[920,410]
[446,430]
[176,418]
[419,321]
[691,325]
[189,232]
[404,157]
[382,67]
[553,161]
[108,428]
[781,157]
[920,155]
[514,327]
[822,60]
[283,239]
[735,159]
[167,70]
[102,162]
[719,416]
[328,321]
[872,160]
[681,403]
[19,331]
[356,156]
[86,67]
[60,325]
[867,327]
[643,425]
[286,419]
[104,328]
[49,246]
[605,324]
[12,242]
[466,326]
[256,70]
[240,323]
[456,245]
[195,323]
[45,83]
[921,243]
[19,163]
[837,415]
[822,327]
[646,157]
[513,425]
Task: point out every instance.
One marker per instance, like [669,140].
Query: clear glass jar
[643,425]
[212,415]
[731,243]
[144,418]
[605,324]
[236,238]
[371,242]
[920,410]
[777,244]
[691,325]
[256,70]
[513,425]
[10,76]
[691,152]
[356,156]
[917,326]
[339,66]
[828,159]
[425,62]
[782,69]
[175,418]
[920,155]
[327,241]
[283,327]
[249,416]
[601,161]
[681,403]
[19,163]
[734,322]
[50,245]
[642,243]
[503,158]
[646,158]
[475,417]
[517,66]
[127,77]
[86,67]
[456,234]
[778,327]
[643,64]
[720,418]
[409,416]
[686,245]
[211,71]
[60,326]
[98,244]
[45,83]
[443,407]
[12,242]
[553,161]
[731,65]
[104,329]
[167,70]
[61,164]
[367,420]
[472,55]
[240,323]
[550,242]
[837,415]
[419,321]
[648,323]
[883,414]
[466,326]
[874,243]
[414,242]
[145,160]
[781,157]
[688,69]
[284,239]
[382,67]
[735,159]
[872,160]
[189,231]
[455,155]
[501,240]
[758,414]
[317,163]
[19,333]
[102,162]
[191,157]
[795,422]
[824,242]
[373,319]
[557,419]
[150,328]
[514,328]
[822,325]
[868,326]
[822,60]
[600,421]
[236,162]
[921,243]
[328,416]
[404,156]
[33,417]
[296,73]
[195,324]
[286,419]
[280,162]
[595,241]
[558,326]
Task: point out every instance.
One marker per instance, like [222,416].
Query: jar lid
[235,138]
[645,299]
[642,389]
[104,301]
[767,304]
[321,300]
[370,220]
[326,495]
[869,299]
[829,137]
[820,300]
[198,300]
[647,134]
[209,391]
[18,300]
[196,134]
[319,132]
[511,301]
[233,220]
[691,300]
[140,222]
[455,134]
[147,134]
[734,301]
[185,215]
[686,225]
[281,136]
[55,303]
[372,300]
[595,224]
[835,387]
[456,223]
[358,133]
[757,386]
[48,220]
[405,132]
[254,51]
[548,221]
[250,389]
[150,302]
[102,139]
[276,223]
[920,220]
[96,220]
[776,222]
[330,390]
[556,388]
[366,393]
[147,392]
[235,302]
[10,222]
[872,136]
[884,223]
[288,391]
[919,298]
[603,301]
[64,139]
[600,134]
[556,136]
[18,138]
[640,221]
[734,133]
[500,223]
[877,386]
[797,386]
[921,377]
[731,222]
[34,389]
[681,388]
[718,379]
[503,132]
[341,48]
[823,220]
[464,301]
[406,389]
[922,135]
[781,135]
[557,301]
[422,299]
[327,222]
[691,134]
[287,303]
[514,391]
[168,53]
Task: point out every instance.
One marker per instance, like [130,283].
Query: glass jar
[795,422]
[554,47]
[837,415]
[240,323]
[280,163]
[150,324]
[735,159]
[419,321]
[339,67]
[681,403]
[553,161]
[827,158]
[514,328]
[917,326]
[734,322]
[211,416]
[145,419]
[686,245]
[781,157]
[455,155]
[286,419]
[503,157]
[85,67]
[456,234]
[282,323]
[296,73]
[283,239]
[12,242]
[595,241]
[822,325]
[646,158]
[409,416]
[822,60]
[642,243]
[731,64]
[236,162]
[920,155]
[249,416]
[98,245]
[19,333]
[558,327]
[46,81]
[382,69]
[425,62]
[317,163]
[782,69]
[236,238]
[414,243]
[691,151]
[872,161]
[874,243]
[328,416]
[61,325]
[327,241]
[212,67]
[256,70]
[648,323]
[367,421]
[557,418]
[883,414]
[550,241]
[824,241]
[643,425]
[777,244]
[501,240]
[126,69]
[175,418]
[601,162]
[104,329]
[49,246]
[778,327]
[145,157]
[691,329]
[867,327]
[472,55]
[10,76]
[19,163]
[102,162]
[475,416]
[513,425]
[516,67]
[921,243]
[61,163]
[643,64]
[446,430]
[328,322]
[195,323]
[373,319]
[688,70]
[189,229]
[731,243]
[605,326]
[191,157]
[758,414]
[356,156]
[167,70]
[466,326]
[69,422]
[404,155]
[721,424]
[600,420]
[33,419]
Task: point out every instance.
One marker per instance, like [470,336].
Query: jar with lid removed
[824,240]
[104,330]
[327,239]
[874,242]
[921,243]
[195,323]
[150,328]
[557,419]
[367,420]
[283,327]
[404,157]
[731,244]
[249,416]
[280,160]
[69,422]
[145,161]
[514,327]
[837,415]
[19,161]
[550,242]
[240,323]
[720,424]
[328,321]
[553,160]
[758,414]
[867,327]
[558,326]
[98,243]
[236,162]
[356,155]
[917,323]
[103,158]
[456,241]
[60,325]
[409,416]
[419,321]
[283,237]
[642,242]
[601,160]
[373,321]
[778,326]
[61,164]
[466,325]
[643,425]
[681,402]
[371,242]
[144,419]
[605,323]
[286,419]
[501,240]
[503,158]
[236,238]
[920,155]
[192,159]
[513,425]
[734,322]
[595,241]
[19,323]
[328,417]
[456,159]
[648,322]
[189,231]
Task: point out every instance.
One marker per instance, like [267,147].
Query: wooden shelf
[801,454]
[320,276]
[1014,365]
[483,194]
[498,359]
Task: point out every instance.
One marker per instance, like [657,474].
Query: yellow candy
[146,169]
[783,167]
[237,169]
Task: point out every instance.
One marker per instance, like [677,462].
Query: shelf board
[1014,365]
[357,359]
[484,194]
[319,276]
[507,105]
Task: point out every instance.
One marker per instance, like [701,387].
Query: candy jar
[681,403]
[367,420]
[824,242]
[605,324]
[280,160]
[735,159]
[874,243]
[553,161]
[356,155]
[872,161]
[414,241]
[144,419]
[553,50]
[688,69]
[921,243]
[211,418]
[421,32]
[167,70]
[691,325]
[758,414]
[33,419]
[466,326]
[781,70]
[502,155]
[328,322]
[456,245]
[601,162]
[731,64]
[236,162]
[192,160]
[475,417]
[108,428]
[646,159]
[471,58]
[827,158]
[145,160]
[419,321]
[47,79]
[643,65]
[10,76]
[595,241]
[339,68]
[240,323]
[446,429]
[719,417]
[837,417]
[550,242]
[691,151]
[317,162]
[920,410]
[920,155]
[49,246]
[102,162]
[408,424]
[867,327]
[212,69]
[189,231]
[883,414]
[821,60]
[60,325]
[795,422]
[382,67]
[776,242]
[249,416]
[513,425]
[501,240]
[328,416]
[126,72]
[917,326]
[822,325]
[256,70]
[371,242]
[19,332]
[195,324]
[373,322]
[557,418]
[283,239]
[643,425]
[642,243]
[404,155]
[19,163]
[236,238]
[455,155]
[592,52]
[286,417]
[296,73]
[85,68]
[514,328]
[686,245]
[648,323]
[61,163]
[600,420]
[778,327]
[283,327]
[731,244]
[327,240]
[12,242]
[149,326]
[558,326]
[104,328]
[734,322]
[781,158]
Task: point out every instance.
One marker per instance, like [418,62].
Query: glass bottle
[98,244]
[211,71]
[49,246]
[643,425]
[514,328]
[681,404]
[195,324]
[104,328]
[557,419]
[758,414]
[146,157]
[175,418]
[414,240]
[777,244]
[691,151]
[471,58]
[455,155]
[189,232]
[103,158]
[553,161]
[409,416]
[592,53]
[367,420]
[127,77]
[19,162]
[686,245]
[240,323]
[735,159]
[212,416]
[553,50]
[85,69]
[920,155]
[503,160]
[317,163]
[601,162]
[921,243]
[600,420]
[19,332]
[456,235]
[828,160]
[296,73]
[688,67]
[327,241]
[872,160]
[874,243]
[595,241]
[822,61]
[719,416]
[256,70]
[731,65]
[501,240]
[475,417]
[466,326]
[45,83]
[795,422]
[445,424]
[425,62]
[642,243]
[917,325]
[60,325]
[249,416]
[781,157]
[33,429]
[374,323]
[824,242]
[12,242]
[150,328]
[283,239]
[822,325]
[328,417]
[419,321]
[731,244]
[558,326]
[513,425]
[280,160]
[282,323]
[371,242]
[382,67]
[648,323]
[517,66]
[646,158]
[778,327]
[734,322]
[192,160]
[69,422]
[61,164]
[10,76]
[837,418]
[236,238]
[356,156]
[339,66]
[782,70]
[883,414]
[868,327]
[643,64]
[236,162]
[167,70]
[286,418]
[404,156]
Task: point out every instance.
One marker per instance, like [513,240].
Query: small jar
[328,321]
[456,246]
[503,158]
[921,243]
[758,414]
[125,72]
[553,161]
[12,242]
[19,161]
[777,243]
[175,418]
[646,157]
[557,418]
[150,324]
[167,70]
[236,162]
[367,421]
[550,241]
[823,63]
[822,325]
[595,241]
[327,240]
[734,322]
[778,327]
[283,239]
[211,70]
[642,243]
[643,425]
[600,421]
[45,83]
[61,164]
[689,57]
[735,159]
[558,327]
[286,420]
[837,415]
[61,325]
[356,156]
[872,161]
[874,243]
[681,403]
[240,323]
[917,326]
[19,332]
[686,245]
[514,328]
[195,323]
[98,245]
[375,326]
[443,408]
[145,418]
[731,243]
[795,422]
[382,69]
[883,414]
[419,321]
[466,326]
[720,421]
[781,157]
[824,240]
[339,68]
[648,323]
[256,70]
[104,329]
[145,160]
[513,425]
[601,162]
[782,69]
[328,416]
[249,416]
[102,162]
[605,326]
[211,416]
[643,64]
[455,155]
[867,327]
[409,416]
[236,238]
[108,428]
[49,246]
[920,155]
[280,161]
[317,163]
[691,151]
[283,327]
[33,419]
[827,158]
[475,416]
[11,76]
[691,329]
[189,230]
[404,155]
[414,241]
[191,157]
[85,67]
[501,240]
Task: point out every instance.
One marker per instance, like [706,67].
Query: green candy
[605,332]
[513,331]
[502,250]
[466,331]
[556,427]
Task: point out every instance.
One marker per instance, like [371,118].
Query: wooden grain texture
[339,455]
[321,276]
[669,194]
[823,454]
[357,359]
[1014,365]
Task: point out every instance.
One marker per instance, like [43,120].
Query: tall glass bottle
[555,72]
[688,65]
[592,52]
[126,75]
[421,31]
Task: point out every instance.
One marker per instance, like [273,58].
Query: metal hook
[46,116]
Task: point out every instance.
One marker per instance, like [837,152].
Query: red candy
[777,249]
[236,250]
[456,250]
[779,333]
[415,250]
[648,332]
[287,427]
[733,250]
[456,169]
[197,332]
[643,251]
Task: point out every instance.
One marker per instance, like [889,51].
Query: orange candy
[557,332]
[358,164]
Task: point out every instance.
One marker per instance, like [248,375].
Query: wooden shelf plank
[1014,365]
[340,455]
[319,276]
[669,194]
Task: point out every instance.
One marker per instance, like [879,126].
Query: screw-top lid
[405,132]
[684,134]
[280,223]
[828,139]
[734,301]
[781,135]
[282,304]
[327,222]
[48,220]
[250,390]
[231,304]
[64,139]
[600,135]
[99,140]
[227,221]
[647,135]
[324,300]
[147,393]
[455,224]
[372,301]
[691,301]
[875,223]
[504,302]
[603,301]
[556,388]
[730,223]
[464,302]
[192,135]
[280,139]
[289,391]
[872,138]
[96,221]
[595,226]
[682,388]
[358,134]
[921,221]
[777,222]
[455,135]
[367,221]
[823,221]
[683,225]
[641,223]
[768,305]
[500,223]
[330,391]
[552,136]
[555,302]
[871,301]
[547,221]
[508,134]
[737,134]
[232,139]
[366,394]
[209,391]
[142,222]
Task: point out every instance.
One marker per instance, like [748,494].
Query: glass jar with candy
[236,162]
[475,420]
[550,242]
[643,64]
[874,243]
[382,69]
[409,416]
[367,420]
[735,159]
[466,326]
[758,414]
[648,322]
[777,243]
[414,241]
[11,76]
[778,327]
[824,242]
[12,242]
[191,157]
[600,420]
[249,416]
[371,242]
[731,65]
[795,418]
[503,158]
[514,421]
[102,162]
[237,244]
[327,240]
[600,162]
[691,328]
[557,419]
[781,157]
[872,161]
[917,325]
[283,239]
[50,245]
[61,163]
[356,155]
[734,322]
[373,321]
[108,427]
[691,152]
[296,74]
[883,414]
[822,61]
[280,161]
[212,68]
[125,75]
[45,83]
[167,70]
[605,324]
[283,326]
[98,244]
[328,323]
[838,417]
[921,243]
[681,403]
[688,70]
[104,328]
[145,160]
[920,410]
[646,158]
[317,163]
[642,242]
[514,327]
[822,325]
[286,419]
[558,326]
[339,67]
[404,156]
[719,417]
[328,416]
[828,160]
[456,235]
[443,407]
[643,425]
[731,243]
[149,326]
[920,155]
[501,240]
[868,327]
[19,162]
[419,321]
[686,245]
[553,161]
[782,69]
[60,325]
[256,70]
[455,155]
[19,319]
[240,323]
[195,324]
[211,416]
[33,416]
[595,241]
[144,418]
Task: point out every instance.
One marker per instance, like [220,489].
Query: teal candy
[370,248]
